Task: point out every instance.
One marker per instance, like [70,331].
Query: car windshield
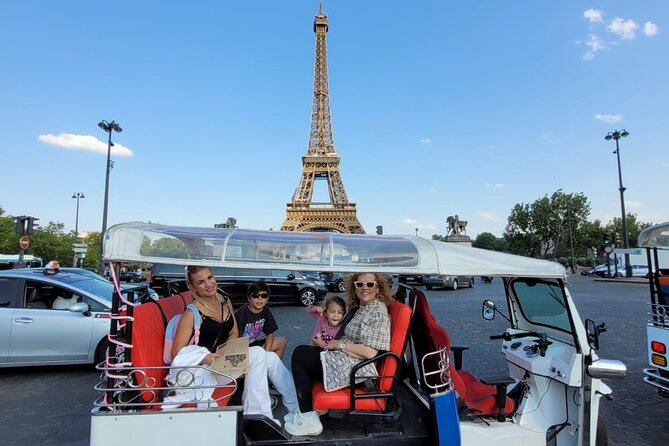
[542,303]
[98,287]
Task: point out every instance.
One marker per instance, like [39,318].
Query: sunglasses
[260,295]
[365,284]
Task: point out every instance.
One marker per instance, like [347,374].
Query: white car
[34,331]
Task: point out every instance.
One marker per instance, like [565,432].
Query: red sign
[24,242]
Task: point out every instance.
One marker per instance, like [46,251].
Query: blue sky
[438,108]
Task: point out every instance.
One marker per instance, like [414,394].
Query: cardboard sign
[234,359]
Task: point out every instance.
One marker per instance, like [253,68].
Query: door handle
[24,320]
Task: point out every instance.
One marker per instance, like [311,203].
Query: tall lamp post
[76,195]
[107,127]
[616,135]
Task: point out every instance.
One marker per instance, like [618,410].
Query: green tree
[52,243]
[541,229]
[634,228]
[9,240]
[487,240]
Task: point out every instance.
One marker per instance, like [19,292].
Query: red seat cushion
[400,321]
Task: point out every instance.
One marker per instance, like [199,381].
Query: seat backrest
[148,336]
[663,289]
[428,336]
[400,323]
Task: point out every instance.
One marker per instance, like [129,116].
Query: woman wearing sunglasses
[365,331]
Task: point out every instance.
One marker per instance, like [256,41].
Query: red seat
[148,337]
[428,337]
[381,397]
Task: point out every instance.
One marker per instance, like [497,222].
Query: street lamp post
[616,135]
[107,127]
[76,195]
[416,232]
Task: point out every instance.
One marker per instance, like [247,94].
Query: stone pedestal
[460,239]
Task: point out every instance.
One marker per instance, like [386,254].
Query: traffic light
[379,230]
[31,224]
[606,239]
[20,227]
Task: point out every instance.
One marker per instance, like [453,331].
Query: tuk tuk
[550,395]
[656,241]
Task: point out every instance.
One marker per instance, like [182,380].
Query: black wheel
[428,287]
[602,438]
[455,284]
[101,351]
[341,286]
[307,297]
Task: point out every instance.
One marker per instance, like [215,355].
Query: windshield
[542,303]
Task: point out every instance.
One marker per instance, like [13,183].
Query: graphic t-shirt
[323,329]
[256,326]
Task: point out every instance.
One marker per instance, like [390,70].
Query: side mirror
[488,310]
[80,307]
[290,276]
[592,331]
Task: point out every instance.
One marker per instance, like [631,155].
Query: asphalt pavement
[51,405]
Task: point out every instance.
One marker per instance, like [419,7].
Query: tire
[602,438]
[307,297]
[455,284]
[341,286]
[101,351]
[428,287]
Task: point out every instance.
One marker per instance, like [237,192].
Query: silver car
[52,317]
[453,282]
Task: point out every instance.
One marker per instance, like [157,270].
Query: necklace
[206,305]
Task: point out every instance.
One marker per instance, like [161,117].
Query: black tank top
[214,333]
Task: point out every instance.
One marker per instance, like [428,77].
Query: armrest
[501,383]
[457,355]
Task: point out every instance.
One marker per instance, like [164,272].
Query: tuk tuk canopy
[313,251]
[656,236]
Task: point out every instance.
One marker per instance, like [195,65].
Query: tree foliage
[541,229]
[487,240]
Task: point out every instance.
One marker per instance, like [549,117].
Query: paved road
[51,405]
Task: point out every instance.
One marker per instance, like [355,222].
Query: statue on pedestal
[456,226]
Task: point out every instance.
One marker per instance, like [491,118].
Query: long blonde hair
[384,293]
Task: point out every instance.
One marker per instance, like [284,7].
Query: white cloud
[596,44]
[414,224]
[490,216]
[625,29]
[594,15]
[650,29]
[409,221]
[425,141]
[83,142]
[609,119]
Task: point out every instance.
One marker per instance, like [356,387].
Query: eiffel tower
[321,161]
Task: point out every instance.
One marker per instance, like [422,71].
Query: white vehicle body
[656,241]
[559,381]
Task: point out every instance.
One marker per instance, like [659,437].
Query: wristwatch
[342,345]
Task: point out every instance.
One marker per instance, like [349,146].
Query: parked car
[334,281]
[34,332]
[131,276]
[640,271]
[415,279]
[441,281]
[286,286]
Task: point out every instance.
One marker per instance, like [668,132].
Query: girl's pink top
[322,329]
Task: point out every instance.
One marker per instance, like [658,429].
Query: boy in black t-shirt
[257,322]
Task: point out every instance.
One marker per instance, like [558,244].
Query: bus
[9,261]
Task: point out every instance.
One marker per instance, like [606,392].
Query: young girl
[328,319]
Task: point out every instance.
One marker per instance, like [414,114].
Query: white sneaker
[303,424]
[290,416]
